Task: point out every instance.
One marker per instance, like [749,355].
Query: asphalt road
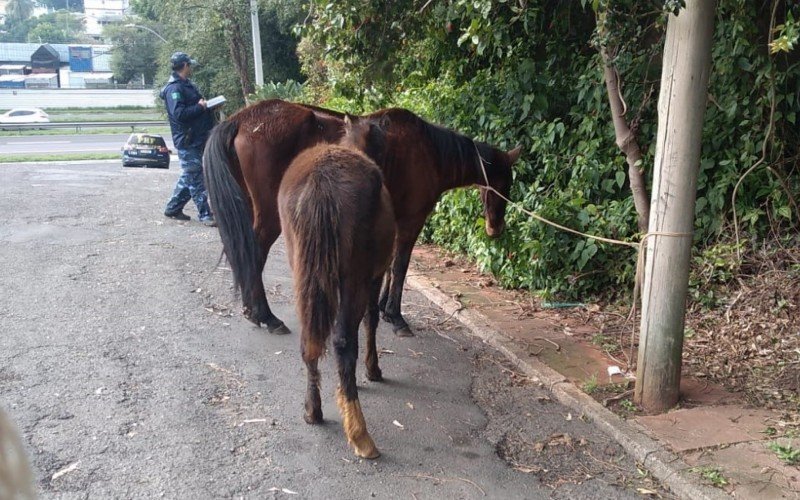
[130,372]
[90,143]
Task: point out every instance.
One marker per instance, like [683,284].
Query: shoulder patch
[176,96]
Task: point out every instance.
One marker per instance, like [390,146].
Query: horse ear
[513,155]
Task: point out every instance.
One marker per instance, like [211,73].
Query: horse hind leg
[259,312]
[313,405]
[355,427]
[370,326]
[345,347]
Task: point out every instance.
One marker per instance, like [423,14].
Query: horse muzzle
[494,231]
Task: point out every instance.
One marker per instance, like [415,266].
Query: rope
[640,257]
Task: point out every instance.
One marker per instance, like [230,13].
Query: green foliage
[627,405]
[786,453]
[591,385]
[277,19]
[55,27]
[713,475]
[788,34]
[217,35]
[134,54]
[289,90]
[529,73]
[712,266]
[18,10]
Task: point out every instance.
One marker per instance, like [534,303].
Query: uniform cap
[179,58]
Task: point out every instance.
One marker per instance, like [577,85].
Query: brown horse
[15,474]
[247,156]
[339,227]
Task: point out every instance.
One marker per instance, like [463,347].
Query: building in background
[99,13]
[73,66]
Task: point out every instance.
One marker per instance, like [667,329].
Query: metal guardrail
[80,125]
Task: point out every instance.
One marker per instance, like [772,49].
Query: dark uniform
[191,124]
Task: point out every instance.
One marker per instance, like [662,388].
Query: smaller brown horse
[339,226]
[15,474]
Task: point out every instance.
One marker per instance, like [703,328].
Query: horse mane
[457,154]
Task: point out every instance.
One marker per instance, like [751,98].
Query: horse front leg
[402,257]
[257,309]
[345,348]
[370,326]
[384,298]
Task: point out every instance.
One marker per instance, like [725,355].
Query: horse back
[350,181]
[271,134]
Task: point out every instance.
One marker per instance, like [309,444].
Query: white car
[25,115]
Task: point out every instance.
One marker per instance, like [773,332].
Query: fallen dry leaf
[284,490]
[71,467]
[646,492]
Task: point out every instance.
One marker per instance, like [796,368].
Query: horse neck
[472,167]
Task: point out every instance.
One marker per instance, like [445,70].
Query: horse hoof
[313,418]
[366,448]
[376,376]
[371,454]
[404,331]
[279,330]
[253,320]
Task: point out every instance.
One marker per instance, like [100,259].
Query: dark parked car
[145,150]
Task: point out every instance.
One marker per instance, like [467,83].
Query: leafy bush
[289,90]
[527,73]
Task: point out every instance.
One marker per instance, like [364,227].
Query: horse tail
[231,209]
[317,254]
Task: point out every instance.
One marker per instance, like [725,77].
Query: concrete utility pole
[256,43]
[681,109]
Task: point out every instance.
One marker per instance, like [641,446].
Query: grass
[590,385]
[786,453]
[107,108]
[123,113]
[83,110]
[713,475]
[104,116]
[84,131]
[605,342]
[627,405]
[19,158]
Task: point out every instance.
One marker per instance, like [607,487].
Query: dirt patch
[742,325]
[534,435]
[748,337]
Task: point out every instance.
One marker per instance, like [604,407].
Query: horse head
[497,172]
[366,134]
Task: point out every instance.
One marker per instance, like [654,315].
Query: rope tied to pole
[639,246]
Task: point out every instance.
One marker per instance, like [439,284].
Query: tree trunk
[237,46]
[626,140]
[681,109]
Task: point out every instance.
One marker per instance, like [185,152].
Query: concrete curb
[655,457]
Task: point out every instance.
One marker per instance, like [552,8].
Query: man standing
[191,122]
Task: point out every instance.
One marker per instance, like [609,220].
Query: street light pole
[256,43]
[147,29]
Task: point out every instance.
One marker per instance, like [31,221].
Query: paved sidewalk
[714,446]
